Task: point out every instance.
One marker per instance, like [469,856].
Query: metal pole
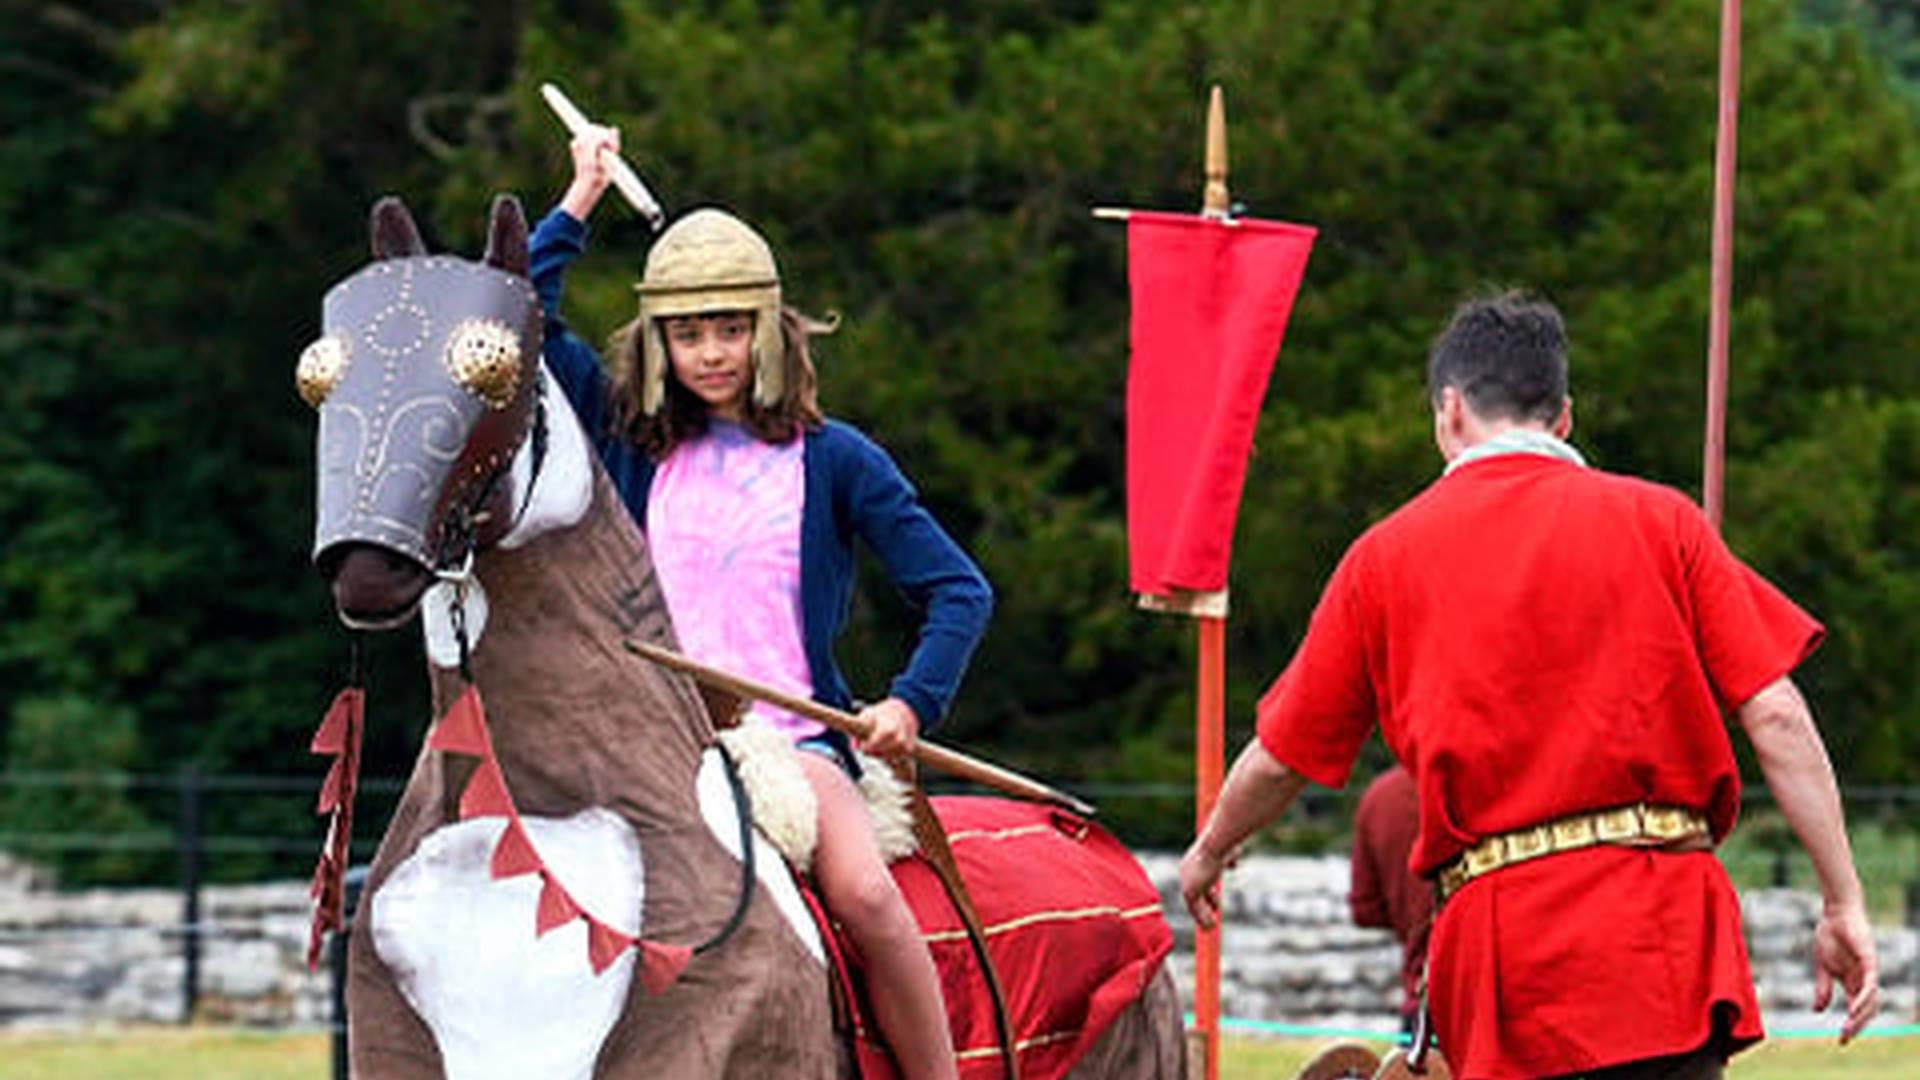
[192,860]
[1913,920]
[1719,312]
[337,962]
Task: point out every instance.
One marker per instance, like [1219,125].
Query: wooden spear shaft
[952,762]
[1720,303]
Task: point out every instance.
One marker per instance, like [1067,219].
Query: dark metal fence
[213,836]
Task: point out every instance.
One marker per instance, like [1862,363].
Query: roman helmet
[710,261]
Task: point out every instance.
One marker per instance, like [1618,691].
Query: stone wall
[109,956]
[1291,955]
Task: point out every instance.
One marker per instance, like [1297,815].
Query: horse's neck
[571,710]
[553,489]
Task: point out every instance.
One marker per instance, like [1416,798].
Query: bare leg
[861,894]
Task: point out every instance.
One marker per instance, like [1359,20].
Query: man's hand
[1794,760]
[1200,872]
[893,728]
[1843,949]
[1257,790]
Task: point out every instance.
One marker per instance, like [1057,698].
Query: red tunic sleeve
[1316,715]
[1748,633]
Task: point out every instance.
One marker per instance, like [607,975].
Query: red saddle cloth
[1072,923]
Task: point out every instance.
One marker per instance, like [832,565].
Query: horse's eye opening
[322,365]
[484,357]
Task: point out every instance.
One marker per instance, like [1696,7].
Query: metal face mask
[425,378]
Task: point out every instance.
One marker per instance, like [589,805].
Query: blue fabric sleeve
[929,568]
[558,240]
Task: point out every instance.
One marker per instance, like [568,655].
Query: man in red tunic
[1385,891]
[1552,650]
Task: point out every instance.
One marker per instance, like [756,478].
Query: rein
[744,812]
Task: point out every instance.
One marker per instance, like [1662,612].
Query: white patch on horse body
[563,491]
[718,809]
[436,620]
[501,1002]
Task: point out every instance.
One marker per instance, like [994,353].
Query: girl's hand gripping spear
[597,162]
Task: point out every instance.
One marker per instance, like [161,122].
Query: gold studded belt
[1639,825]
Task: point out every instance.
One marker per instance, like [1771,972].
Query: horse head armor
[426,378]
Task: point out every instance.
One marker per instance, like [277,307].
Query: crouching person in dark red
[1385,892]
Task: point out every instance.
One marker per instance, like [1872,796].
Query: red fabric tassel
[661,965]
[331,788]
[486,793]
[556,906]
[319,884]
[339,735]
[331,736]
[463,730]
[315,937]
[514,854]
[604,944]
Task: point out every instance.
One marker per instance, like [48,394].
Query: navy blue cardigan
[852,488]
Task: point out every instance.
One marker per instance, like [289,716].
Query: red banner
[1210,306]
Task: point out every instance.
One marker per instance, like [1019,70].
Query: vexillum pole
[1210,630]
[1720,304]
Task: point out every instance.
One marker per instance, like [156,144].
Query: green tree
[184,182]
[76,812]
[182,186]
[1890,28]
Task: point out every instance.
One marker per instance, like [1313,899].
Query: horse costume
[570,886]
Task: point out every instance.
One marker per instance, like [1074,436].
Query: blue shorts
[832,745]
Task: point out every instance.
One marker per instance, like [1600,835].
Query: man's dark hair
[1506,354]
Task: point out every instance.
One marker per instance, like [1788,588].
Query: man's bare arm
[1794,761]
[1258,790]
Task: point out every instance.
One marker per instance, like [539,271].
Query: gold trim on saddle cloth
[1638,825]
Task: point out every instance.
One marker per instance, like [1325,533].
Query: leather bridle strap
[932,837]
[459,536]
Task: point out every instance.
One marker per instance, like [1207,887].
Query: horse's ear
[507,236]
[394,234]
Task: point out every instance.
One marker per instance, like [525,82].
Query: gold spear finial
[1214,201]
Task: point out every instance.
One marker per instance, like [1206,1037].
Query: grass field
[220,1054]
[1795,1059]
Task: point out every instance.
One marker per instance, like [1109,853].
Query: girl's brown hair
[683,416]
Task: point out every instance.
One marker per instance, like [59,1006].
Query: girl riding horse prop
[584,826]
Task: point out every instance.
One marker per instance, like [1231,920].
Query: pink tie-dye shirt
[723,522]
